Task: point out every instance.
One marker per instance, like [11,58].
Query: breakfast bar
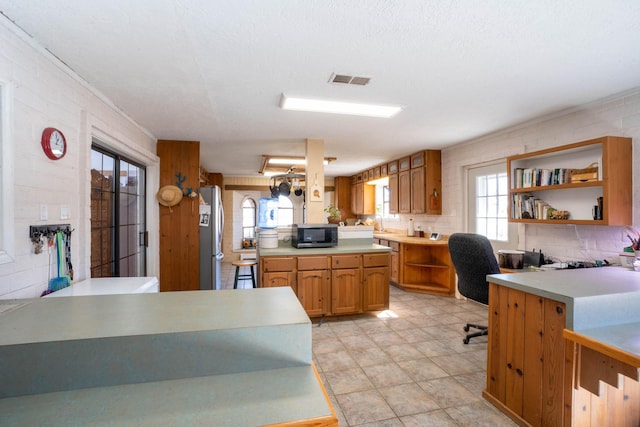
[564,347]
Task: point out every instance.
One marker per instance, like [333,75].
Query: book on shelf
[527,206]
[535,177]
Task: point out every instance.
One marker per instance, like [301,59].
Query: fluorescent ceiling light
[291,161]
[338,107]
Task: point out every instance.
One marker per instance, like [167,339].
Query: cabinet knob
[559,310]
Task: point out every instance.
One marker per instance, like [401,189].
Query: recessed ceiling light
[338,107]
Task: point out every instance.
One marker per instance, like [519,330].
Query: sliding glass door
[118,226]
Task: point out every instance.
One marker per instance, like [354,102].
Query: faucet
[380,226]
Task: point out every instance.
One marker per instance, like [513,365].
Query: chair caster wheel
[466,328]
[465,341]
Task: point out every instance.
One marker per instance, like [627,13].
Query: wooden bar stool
[244,263]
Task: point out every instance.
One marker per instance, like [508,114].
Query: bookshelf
[543,178]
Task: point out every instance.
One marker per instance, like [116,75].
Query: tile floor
[409,370]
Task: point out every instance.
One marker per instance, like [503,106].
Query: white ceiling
[214,70]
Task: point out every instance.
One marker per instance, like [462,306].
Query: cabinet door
[358,199]
[313,291]
[417,191]
[279,278]
[393,193]
[345,291]
[404,192]
[375,288]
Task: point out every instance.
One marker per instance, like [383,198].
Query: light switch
[44,213]
[64,212]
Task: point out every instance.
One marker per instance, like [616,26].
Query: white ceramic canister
[268,238]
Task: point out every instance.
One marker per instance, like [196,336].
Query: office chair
[473,259]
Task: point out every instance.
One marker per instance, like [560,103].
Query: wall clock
[54,144]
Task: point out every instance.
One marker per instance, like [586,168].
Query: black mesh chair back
[473,258]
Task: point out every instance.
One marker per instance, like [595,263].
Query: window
[248,223]
[285,212]
[118,227]
[488,202]
[6,176]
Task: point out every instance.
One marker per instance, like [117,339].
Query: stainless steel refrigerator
[211,226]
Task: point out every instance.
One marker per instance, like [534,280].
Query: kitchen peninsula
[200,358]
[564,347]
[350,278]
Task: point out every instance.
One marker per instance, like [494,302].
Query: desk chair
[473,259]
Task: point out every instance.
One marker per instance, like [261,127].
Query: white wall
[47,94]
[617,115]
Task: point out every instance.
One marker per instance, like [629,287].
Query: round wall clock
[54,144]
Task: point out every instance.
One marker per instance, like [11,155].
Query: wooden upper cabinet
[404,192]
[342,195]
[404,164]
[393,194]
[392,167]
[384,170]
[376,172]
[426,183]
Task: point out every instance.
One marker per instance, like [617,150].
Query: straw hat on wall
[169,195]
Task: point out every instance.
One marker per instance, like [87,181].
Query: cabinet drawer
[313,263]
[395,246]
[345,261]
[375,260]
[278,264]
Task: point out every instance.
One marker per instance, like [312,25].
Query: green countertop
[288,250]
[602,303]
[224,358]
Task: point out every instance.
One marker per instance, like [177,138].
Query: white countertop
[109,286]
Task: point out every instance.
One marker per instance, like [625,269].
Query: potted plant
[334,214]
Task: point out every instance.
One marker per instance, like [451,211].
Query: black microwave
[314,235]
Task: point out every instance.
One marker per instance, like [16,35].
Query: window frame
[255,220]
[487,169]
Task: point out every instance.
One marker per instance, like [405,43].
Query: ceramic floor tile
[385,339]
[479,414]
[408,399]
[370,356]
[455,364]
[433,348]
[364,407]
[432,419]
[416,334]
[357,342]
[401,352]
[422,369]
[393,422]
[387,374]
[335,361]
[447,392]
[348,381]
[327,345]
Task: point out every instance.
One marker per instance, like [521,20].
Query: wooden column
[179,229]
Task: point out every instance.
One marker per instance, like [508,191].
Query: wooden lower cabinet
[526,357]
[394,273]
[332,284]
[375,281]
[426,268]
[314,284]
[313,291]
[346,288]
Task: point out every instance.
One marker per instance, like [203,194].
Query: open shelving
[613,155]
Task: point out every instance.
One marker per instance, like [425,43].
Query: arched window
[285,212]
[248,223]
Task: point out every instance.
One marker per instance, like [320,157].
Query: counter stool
[244,263]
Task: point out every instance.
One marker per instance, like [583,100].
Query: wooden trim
[607,350]
[329,421]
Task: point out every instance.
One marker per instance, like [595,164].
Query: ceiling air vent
[350,80]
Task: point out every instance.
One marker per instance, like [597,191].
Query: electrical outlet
[64,212]
[44,213]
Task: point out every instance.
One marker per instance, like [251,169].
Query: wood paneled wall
[179,229]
